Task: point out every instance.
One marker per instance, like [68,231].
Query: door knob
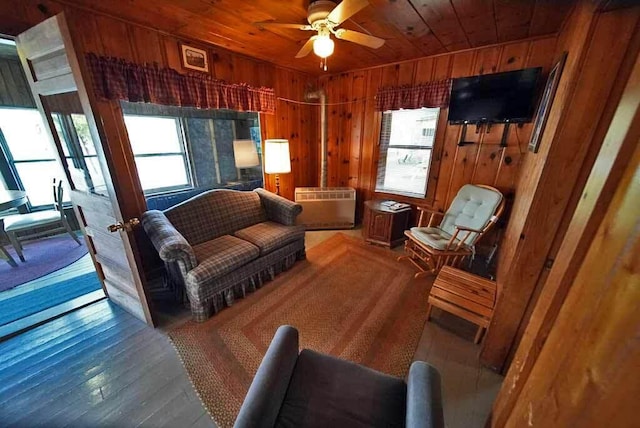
[127,225]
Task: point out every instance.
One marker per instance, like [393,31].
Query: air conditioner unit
[326,208]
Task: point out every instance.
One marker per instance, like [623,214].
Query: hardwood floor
[37,292]
[99,366]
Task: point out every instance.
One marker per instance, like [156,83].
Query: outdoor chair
[474,210]
[29,222]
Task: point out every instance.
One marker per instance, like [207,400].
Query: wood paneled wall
[604,178]
[109,36]
[587,371]
[354,127]
[598,45]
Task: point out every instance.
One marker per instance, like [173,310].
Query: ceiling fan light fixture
[323,46]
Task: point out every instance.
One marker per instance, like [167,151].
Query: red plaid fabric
[431,94]
[116,79]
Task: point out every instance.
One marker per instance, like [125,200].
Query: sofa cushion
[220,256]
[215,213]
[269,236]
[329,392]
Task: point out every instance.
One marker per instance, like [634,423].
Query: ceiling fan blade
[346,9]
[306,48]
[360,38]
[281,25]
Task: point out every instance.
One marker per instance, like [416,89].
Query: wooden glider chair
[474,210]
[17,223]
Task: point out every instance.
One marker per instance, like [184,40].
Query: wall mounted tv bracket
[479,125]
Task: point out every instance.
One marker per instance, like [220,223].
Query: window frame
[185,153]
[9,172]
[399,194]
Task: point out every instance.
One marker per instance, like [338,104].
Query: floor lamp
[276,159]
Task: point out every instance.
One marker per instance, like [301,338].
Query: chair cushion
[472,207]
[269,236]
[16,222]
[432,236]
[221,256]
[328,392]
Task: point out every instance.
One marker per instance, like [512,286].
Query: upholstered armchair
[309,389]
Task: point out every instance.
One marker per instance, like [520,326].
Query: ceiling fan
[324,17]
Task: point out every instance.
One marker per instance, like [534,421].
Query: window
[159,151]
[29,154]
[406,144]
[79,152]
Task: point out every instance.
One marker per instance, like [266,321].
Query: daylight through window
[159,151]
[406,145]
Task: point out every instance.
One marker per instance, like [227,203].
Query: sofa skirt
[205,300]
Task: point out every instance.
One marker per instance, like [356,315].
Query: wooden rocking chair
[474,210]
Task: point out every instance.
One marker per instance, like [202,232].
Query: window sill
[400,193]
[166,191]
[414,200]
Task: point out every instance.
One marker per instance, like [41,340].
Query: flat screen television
[499,97]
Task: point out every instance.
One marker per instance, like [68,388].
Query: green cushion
[472,207]
[432,236]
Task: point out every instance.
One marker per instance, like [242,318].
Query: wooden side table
[466,295]
[384,226]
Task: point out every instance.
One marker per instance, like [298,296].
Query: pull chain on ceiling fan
[324,17]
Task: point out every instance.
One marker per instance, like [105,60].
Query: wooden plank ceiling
[411,28]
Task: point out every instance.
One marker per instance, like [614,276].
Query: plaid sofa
[221,244]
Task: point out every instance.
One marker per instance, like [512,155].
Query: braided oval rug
[348,299]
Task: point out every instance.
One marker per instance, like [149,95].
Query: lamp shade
[276,157]
[245,154]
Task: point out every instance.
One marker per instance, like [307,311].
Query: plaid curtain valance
[117,79]
[431,94]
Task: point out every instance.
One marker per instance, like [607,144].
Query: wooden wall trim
[597,44]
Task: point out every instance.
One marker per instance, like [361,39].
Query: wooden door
[56,79]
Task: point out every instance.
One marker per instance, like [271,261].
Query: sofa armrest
[170,244]
[424,397]
[269,387]
[279,209]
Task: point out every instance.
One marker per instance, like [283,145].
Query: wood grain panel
[513,18]
[452,166]
[441,18]
[411,28]
[597,45]
[477,20]
[585,372]
[621,140]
